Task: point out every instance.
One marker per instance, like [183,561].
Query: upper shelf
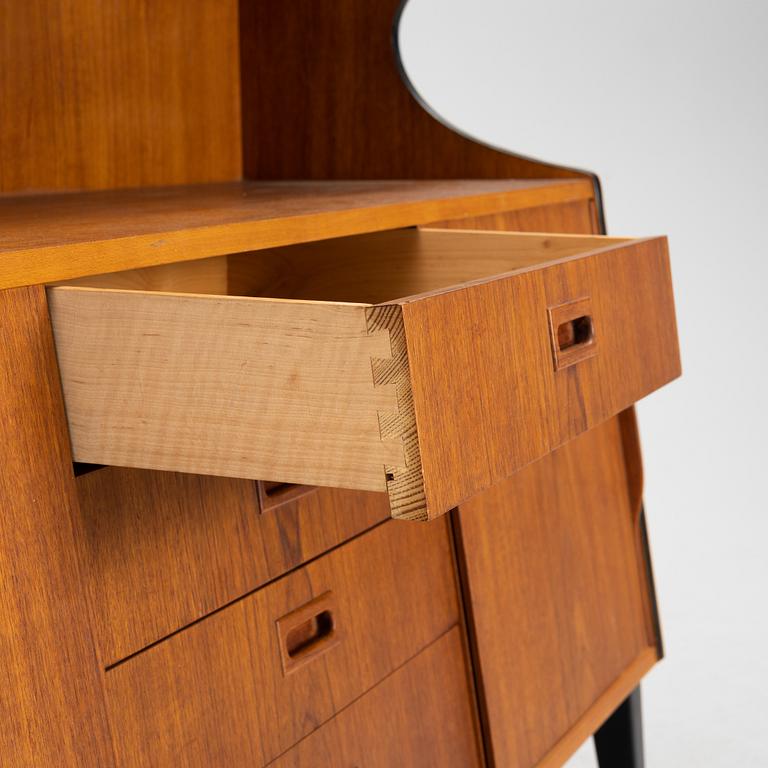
[46,238]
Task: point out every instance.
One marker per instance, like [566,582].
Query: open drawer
[505,346]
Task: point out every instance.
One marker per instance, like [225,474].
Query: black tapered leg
[619,741]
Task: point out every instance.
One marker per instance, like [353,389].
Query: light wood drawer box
[421,715]
[165,548]
[245,684]
[506,346]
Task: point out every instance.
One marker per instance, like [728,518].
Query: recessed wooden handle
[307,632]
[576,332]
[572,332]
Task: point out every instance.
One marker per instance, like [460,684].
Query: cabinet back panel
[118,94]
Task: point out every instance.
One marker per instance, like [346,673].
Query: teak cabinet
[261,314]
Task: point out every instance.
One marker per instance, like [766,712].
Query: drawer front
[505,347]
[560,597]
[489,395]
[164,549]
[245,684]
[421,716]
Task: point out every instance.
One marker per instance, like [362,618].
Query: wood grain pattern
[604,706]
[386,266]
[327,76]
[558,612]
[216,694]
[49,238]
[419,716]
[404,481]
[164,549]
[486,397]
[226,386]
[635,481]
[51,700]
[146,93]
[387,398]
[636,329]
[99,95]
[576,217]
[208,276]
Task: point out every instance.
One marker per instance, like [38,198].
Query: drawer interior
[364,269]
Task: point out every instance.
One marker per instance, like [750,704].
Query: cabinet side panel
[51,701]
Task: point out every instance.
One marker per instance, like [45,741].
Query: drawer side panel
[229,386]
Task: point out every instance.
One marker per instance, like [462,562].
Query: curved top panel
[325,96]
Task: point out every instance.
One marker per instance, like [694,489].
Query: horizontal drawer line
[365,693]
[238,599]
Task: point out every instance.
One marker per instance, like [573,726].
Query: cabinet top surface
[45,238]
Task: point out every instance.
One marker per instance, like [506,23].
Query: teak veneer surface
[505,720]
[419,716]
[398,266]
[99,95]
[49,677]
[576,217]
[107,95]
[432,397]
[49,238]
[113,94]
[164,549]
[558,594]
[216,693]
[325,96]
[511,406]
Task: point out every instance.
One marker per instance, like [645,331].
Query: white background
[668,103]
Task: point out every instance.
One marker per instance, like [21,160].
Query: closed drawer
[245,684]
[419,717]
[506,346]
[164,549]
